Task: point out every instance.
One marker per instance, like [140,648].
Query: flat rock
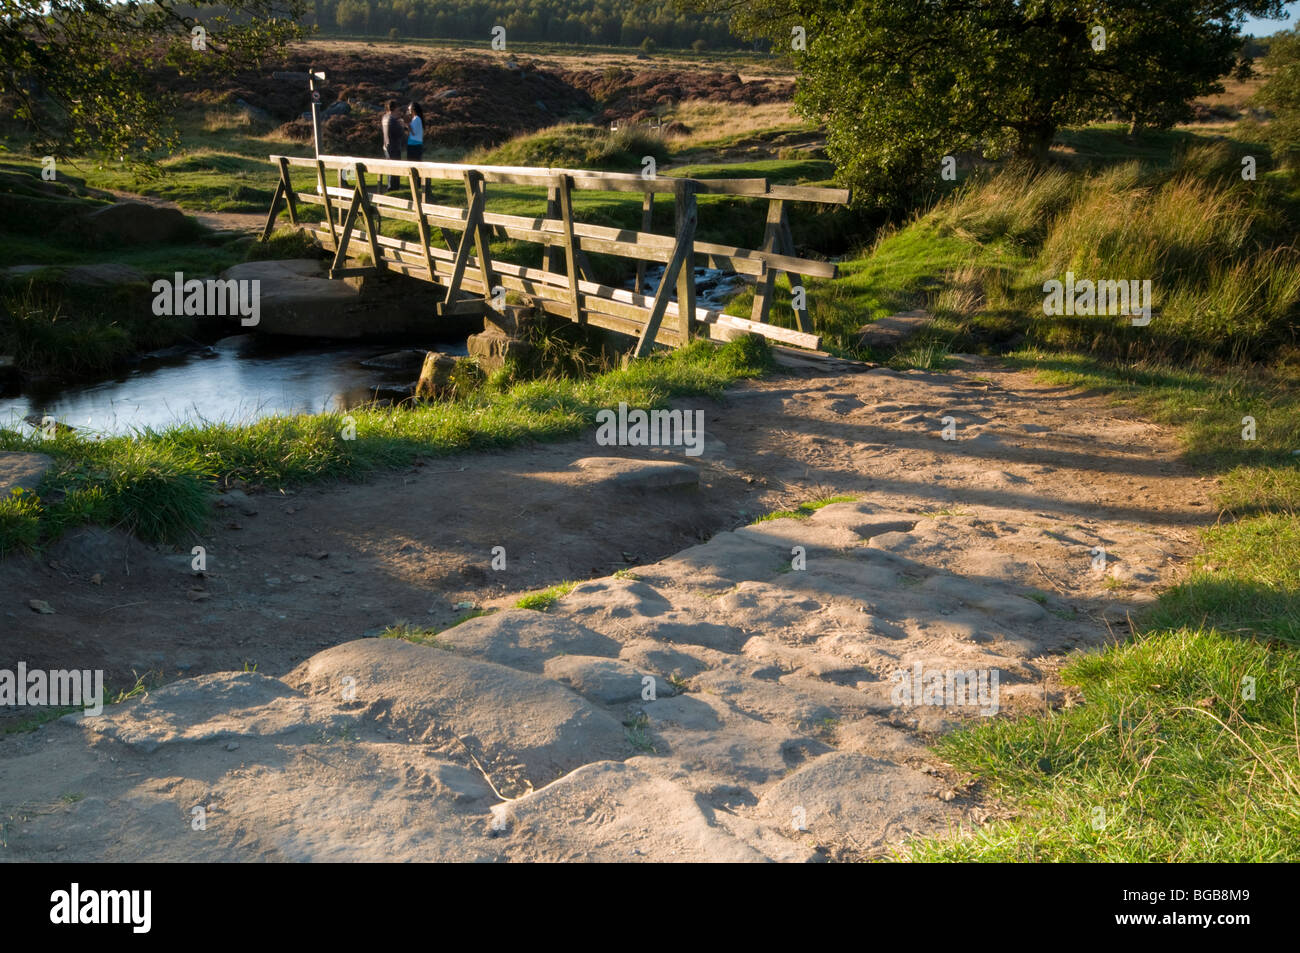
[207,708]
[858,801]
[524,639]
[408,361]
[603,812]
[298,299]
[19,469]
[605,680]
[1006,607]
[528,727]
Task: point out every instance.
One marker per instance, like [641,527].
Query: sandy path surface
[732,693]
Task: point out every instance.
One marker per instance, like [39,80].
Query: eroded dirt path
[527,735]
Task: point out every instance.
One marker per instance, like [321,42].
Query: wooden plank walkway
[564,284]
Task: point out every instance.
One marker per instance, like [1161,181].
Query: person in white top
[415,136]
[415,140]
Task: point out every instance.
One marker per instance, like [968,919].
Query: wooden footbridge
[564,284]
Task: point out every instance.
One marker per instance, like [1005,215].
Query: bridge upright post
[647,212]
[551,254]
[684,203]
[766,285]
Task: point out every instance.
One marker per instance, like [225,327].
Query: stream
[245,377]
[237,380]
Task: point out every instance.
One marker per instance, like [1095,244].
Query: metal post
[312,76]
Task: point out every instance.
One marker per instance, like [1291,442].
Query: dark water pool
[238,379]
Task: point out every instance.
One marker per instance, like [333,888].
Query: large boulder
[493,349]
[892,331]
[135,223]
[298,298]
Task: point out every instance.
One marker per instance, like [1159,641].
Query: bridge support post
[647,211]
[681,258]
[777,239]
[476,193]
[564,189]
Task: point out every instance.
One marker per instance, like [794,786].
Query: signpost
[311,76]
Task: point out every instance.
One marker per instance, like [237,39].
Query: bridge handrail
[582,178]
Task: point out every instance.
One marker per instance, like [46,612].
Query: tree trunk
[1036,141]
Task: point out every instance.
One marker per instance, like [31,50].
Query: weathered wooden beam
[785,242]
[275,207]
[602,181]
[467,239]
[475,186]
[340,256]
[325,198]
[685,227]
[289,193]
[551,252]
[766,284]
[564,186]
[367,210]
[421,223]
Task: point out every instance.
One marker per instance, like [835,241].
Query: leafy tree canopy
[901,84]
[75,70]
[1280,94]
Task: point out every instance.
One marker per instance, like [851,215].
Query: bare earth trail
[250,222]
[530,735]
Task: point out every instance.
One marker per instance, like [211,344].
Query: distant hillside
[598,22]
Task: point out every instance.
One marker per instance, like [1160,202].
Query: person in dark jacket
[394,135]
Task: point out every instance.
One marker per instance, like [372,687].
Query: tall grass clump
[1014,204]
[20,521]
[1220,288]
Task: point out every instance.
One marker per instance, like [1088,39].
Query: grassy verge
[1185,746]
[1218,251]
[158,483]
[1183,743]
